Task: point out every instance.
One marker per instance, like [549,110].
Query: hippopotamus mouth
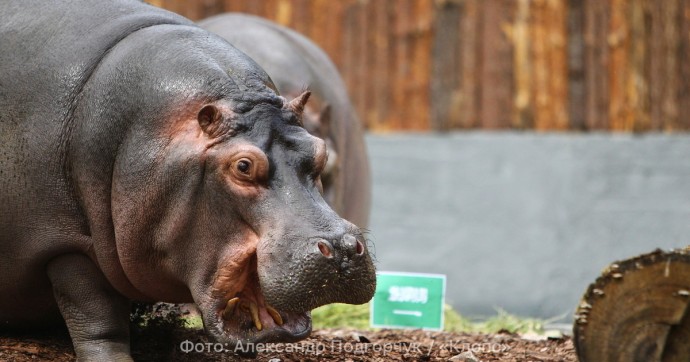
[250,319]
[238,314]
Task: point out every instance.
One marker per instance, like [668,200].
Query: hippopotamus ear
[297,105]
[210,118]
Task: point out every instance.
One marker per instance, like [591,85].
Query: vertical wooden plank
[329,26]
[253,7]
[381,52]
[235,6]
[393,113]
[268,9]
[683,68]
[470,94]
[497,57]
[655,62]
[670,111]
[355,57]
[367,69]
[402,62]
[576,65]
[363,60]
[539,34]
[455,110]
[348,60]
[301,16]
[558,82]
[445,54]
[619,40]
[663,80]
[283,12]
[523,116]
[423,14]
[175,6]
[597,59]
[211,7]
[158,3]
[637,99]
[318,10]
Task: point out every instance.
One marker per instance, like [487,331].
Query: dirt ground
[323,345]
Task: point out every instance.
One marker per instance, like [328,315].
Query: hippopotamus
[143,158]
[294,62]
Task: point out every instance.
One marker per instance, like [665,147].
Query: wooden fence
[620,65]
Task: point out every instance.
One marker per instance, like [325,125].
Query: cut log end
[637,311]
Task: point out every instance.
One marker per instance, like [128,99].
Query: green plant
[357,317]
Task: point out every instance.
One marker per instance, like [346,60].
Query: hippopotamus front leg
[96,315]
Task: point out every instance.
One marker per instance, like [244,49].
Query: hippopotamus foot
[96,315]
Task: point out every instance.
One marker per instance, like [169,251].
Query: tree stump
[637,310]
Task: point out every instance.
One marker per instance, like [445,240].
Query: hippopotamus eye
[247,166]
[244,166]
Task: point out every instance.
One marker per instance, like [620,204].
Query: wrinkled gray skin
[295,63]
[143,158]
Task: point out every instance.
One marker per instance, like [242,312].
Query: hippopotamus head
[216,190]
[292,253]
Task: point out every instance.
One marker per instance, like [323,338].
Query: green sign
[408,300]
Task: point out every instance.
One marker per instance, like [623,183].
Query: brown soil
[323,345]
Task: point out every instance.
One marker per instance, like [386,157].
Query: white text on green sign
[408,300]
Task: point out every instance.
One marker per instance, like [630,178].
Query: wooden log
[637,310]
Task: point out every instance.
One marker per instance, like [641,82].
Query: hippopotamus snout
[327,269]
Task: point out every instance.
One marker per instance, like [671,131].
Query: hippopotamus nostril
[359,249]
[350,243]
[325,248]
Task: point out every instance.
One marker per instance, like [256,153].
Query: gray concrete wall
[525,221]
